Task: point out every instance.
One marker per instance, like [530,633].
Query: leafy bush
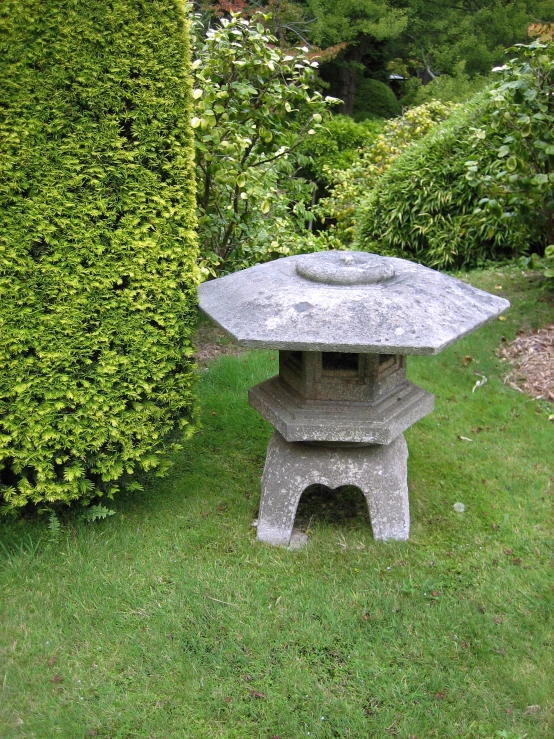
[335,146]
[375,99]
[520,132]
[426,209]
[352,184]
[97,245]
[545,264]
[254,107]
[455,88]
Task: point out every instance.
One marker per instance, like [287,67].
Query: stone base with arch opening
[379,471]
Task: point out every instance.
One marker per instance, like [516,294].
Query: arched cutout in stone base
[340,506]
[291,467]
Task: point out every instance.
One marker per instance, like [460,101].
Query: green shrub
[255,105]
[455,88]
[334,147]
[374,99]
[97,245]
[351,184]
[426,209]
[520,131]
[545,264]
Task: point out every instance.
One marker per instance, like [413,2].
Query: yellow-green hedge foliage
[97,244]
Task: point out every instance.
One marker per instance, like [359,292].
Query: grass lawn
[169,619]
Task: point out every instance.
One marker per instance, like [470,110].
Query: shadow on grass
[343,506]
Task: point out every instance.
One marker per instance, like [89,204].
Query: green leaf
[96,513]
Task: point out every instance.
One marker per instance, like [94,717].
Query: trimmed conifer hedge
[97,243]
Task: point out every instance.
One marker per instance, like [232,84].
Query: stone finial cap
[347,302]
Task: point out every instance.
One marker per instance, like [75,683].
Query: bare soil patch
[212,342]
[532,358]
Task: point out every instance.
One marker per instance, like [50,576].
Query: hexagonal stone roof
[347,302]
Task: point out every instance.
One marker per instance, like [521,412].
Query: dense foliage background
[97,243]
[454,43]
[399,69]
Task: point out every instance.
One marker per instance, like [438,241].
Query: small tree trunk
[348,74]
[348,80]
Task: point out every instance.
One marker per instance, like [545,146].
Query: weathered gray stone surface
[298,419]
[351,268]
[347,302]
[380,472]
[298,540]
[342,376]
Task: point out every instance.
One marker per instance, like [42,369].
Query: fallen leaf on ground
[51,662]
[533,709]
[57,679]
[256,694]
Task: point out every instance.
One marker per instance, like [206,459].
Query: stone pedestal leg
[379,471]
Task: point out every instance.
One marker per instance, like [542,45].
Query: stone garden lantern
[344,323]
